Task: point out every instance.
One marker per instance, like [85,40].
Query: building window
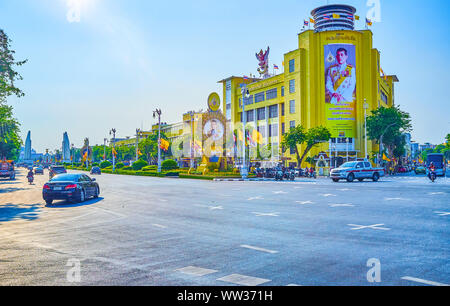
[384,97]
[292,107]
[291,65]
[250,115]
[282,91]
[261,113]
[282,109]
[262,130]
[283,128]
[259,97]
[292,124]
[271,94]
[247,101]
[273,130]
[291,86]
[273,111]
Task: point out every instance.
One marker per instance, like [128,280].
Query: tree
[149,147]
[10,140]
[8,76]
[387,125]
[311,138]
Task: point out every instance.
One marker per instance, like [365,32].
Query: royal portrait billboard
[340,90]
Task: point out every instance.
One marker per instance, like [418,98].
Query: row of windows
[268,95]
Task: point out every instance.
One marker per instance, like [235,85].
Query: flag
[85,155]
[306,23]
[350,17]
[369,22]
[326,17]
[336,16]
[164,144]
[245,77]
[139,153]
[312,20]
[385,158]
[275,67]
[356,17]
[257,137]
[114,152]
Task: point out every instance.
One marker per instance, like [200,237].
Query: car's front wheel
[350,178]
[97,192]
[376,177]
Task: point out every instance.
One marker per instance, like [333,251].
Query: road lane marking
[243,280]
[304,202]
[255,198]
[196,271]
[436,193]
[442,213]
[423,281]
[342,205]
[159,225]
[258,249]
[293,285]
[279,192]
[328,195]
[109,212]
[375,227]
[275,214]
[396,199]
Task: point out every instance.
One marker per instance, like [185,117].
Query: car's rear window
[66,178]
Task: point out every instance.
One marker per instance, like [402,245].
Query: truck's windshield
[349,165]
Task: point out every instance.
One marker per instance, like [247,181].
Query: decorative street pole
[245,95]
[113,133]
[366,107]
[158,113]
[138,132]
[87,156]
[71,153]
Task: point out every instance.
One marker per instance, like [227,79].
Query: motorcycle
[279,175]
[292,175]
[432,176]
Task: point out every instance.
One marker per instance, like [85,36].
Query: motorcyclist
[306,171]
[431,170]
[30,176]
[311,172]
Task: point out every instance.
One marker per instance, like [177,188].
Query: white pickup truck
[356,170]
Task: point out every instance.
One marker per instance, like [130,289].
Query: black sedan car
[71,187]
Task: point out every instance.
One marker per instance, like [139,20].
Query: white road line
[423,281]
[196,271]
[293,285]
[279,192]
[255,198]
[442,213]
[436,193]
[258,249]
[266,214]
[396,199]
[375,227]
[328,195]
[159,225]
[342,205]
[109,212]
[243,280]
[304,202]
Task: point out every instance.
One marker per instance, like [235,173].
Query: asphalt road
[152,231]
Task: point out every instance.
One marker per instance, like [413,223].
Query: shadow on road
[11,189]
[66,204]
[11,212]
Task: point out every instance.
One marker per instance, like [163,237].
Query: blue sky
[124,58]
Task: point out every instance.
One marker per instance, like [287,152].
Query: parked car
[420,170]
[7,169]
[356,170]
[55,170]
[96,170]
[71,187]
[39,170]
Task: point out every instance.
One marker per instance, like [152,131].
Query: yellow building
[326,82]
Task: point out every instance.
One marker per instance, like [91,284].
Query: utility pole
[113,133]
[245,95]
[104,148]
[158,113]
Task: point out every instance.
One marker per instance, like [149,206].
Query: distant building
[427,146]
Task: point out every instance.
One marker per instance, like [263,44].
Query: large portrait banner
[340,90]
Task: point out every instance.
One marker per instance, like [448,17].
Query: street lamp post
[158,113]
[113,133]
[104,148]
[71,153]
[366,107]
[245,95]
[138,131]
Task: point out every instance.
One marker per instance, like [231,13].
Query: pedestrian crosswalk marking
[196,271]
[243,280]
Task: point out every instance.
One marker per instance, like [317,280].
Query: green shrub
[95,164]
[150,168]
[120,165]
[169,164]
[105,164]
[138,165]
[127,168]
